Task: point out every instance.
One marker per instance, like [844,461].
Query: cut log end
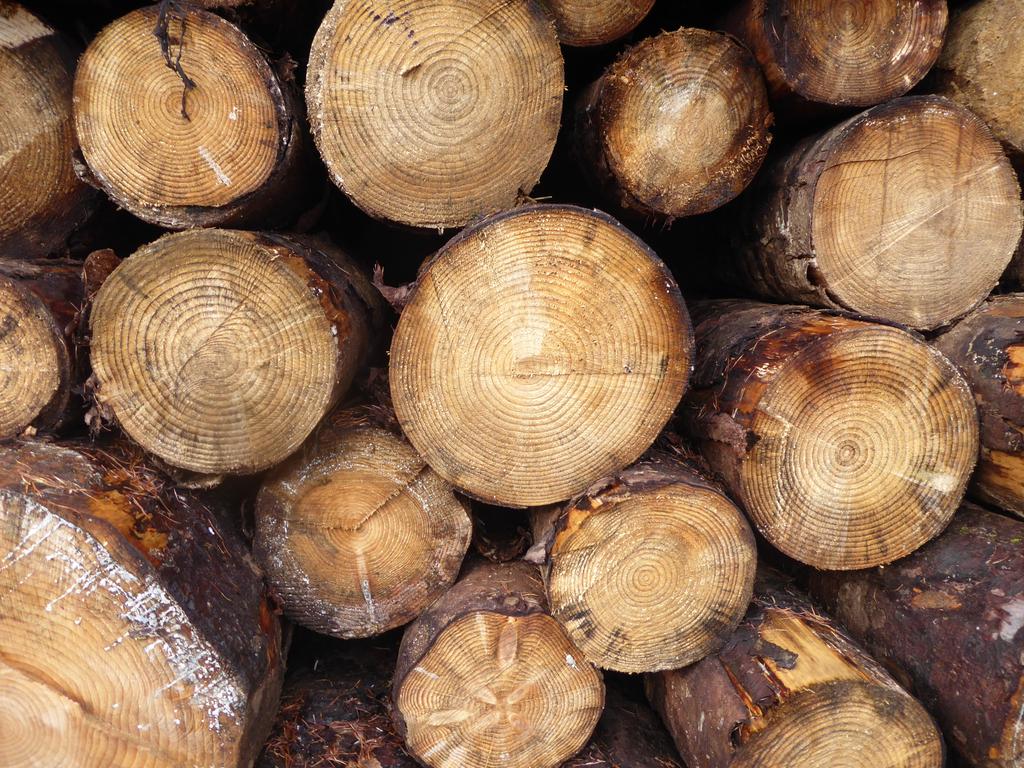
[180,117]
[891,212]
[847,723]
[541,351]
[35,372]
[496,686]
[655,580]
[438,114]
[844,53]
[679,123]
[219,351]
[596,22]
[41,199]
[359,536]
[102,660]
[865,442]
[981,66]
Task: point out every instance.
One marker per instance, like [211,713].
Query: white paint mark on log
[233,114]
[426,672]
[1014,620]
[570,661]
[218,171]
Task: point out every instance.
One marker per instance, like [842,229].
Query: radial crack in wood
[909,212]
[848,443]
[219,145]
[357,535]
[219,351]
[541,350]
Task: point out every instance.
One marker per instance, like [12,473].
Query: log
[540,351]
[356,533]
[41,199]
[981,67]
[435,113]
[40,302]
[334,712]
[219,351]
[790,688]
[948,619]
[183,122]
[486,673]
[848,443]
[134,626]
[872,216]
[677,126]
[820,56]
[651,571]
[584,23]
[988,345]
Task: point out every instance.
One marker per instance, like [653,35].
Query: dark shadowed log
[596,22]
[40,306]
[949,619]
[791,689]
[134,627]
[848,443]
[909,211]
[356,533]
[988,345]
[183,121]
[219,350]
[41,199]
[485,673]
[678,125]
[819,55]
[334,711]
[650,571]
[540,351]
[433,113]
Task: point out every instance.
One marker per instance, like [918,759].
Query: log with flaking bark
[540,350]
[819,55]
[41,199]
[356,533]
[981,66]
[134,627]
[677,126]
[848,443]
[486,674]
[988,345]
[219,350]
[949,619]
[596,22]
[183,122]
[652,570]
[909,211]
[431,113]
[791,689]
[40,303]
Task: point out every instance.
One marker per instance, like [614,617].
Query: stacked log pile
[511,383]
